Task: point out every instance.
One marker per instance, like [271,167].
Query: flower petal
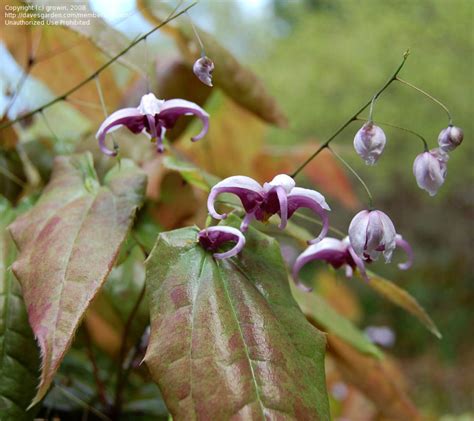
[328,249]
[358,231]
[150,105]
[389,236]
[219,235]
[174,108]
[283,206]
[246,188]
[306,198]
[282,180]
[129,117]
[405,245]
[359,263]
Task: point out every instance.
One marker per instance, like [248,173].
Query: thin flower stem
[371,110]
[432,98]
[7,173]
[425,144]
[85,103]
[353,117]
[82,403]
[353,171]
[203,51]
[55,136]
[97,72]
[104,108]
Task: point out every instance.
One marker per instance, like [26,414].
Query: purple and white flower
[372,233]
[380,335]
[213,237]
[430,170]
[203,69]
[153,117]
[340,253]
[450,138]
[279,196]
[369,142]
[336,252]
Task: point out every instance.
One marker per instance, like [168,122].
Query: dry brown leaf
[63,59]
[381,381]
[237,81]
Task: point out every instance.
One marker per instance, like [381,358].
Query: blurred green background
[322,60]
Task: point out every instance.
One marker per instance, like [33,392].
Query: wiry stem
[97,72]
[353,117]
[353,171]
[425,144]
[432,98]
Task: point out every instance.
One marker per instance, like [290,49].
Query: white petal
[358,231]
[150,104]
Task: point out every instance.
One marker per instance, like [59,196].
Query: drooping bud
[372,233]
[369,142]
[450,138]
[203,69]
[430,170]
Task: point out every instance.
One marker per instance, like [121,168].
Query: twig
[96,73]
[354,116]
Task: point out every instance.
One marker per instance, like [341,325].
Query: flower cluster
[280,197]
[429,168]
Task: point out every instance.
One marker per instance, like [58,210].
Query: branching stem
[425,143]
[97,72]
[353,117]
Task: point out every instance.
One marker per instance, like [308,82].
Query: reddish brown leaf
[63,258]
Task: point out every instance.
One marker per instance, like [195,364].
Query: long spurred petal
[213,237]
[174,108]
[359,263]
[246,188]
[305,198]
[129,117]
[405,245]
[283,206]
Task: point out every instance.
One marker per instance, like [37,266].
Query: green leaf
[68,243]
[192,174]
[19,357]
[317,310]
[227,338]
[403,299]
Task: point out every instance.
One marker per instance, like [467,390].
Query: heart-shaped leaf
[227,338]
[68,243]
[19,357]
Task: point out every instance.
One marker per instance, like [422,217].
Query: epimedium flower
[153,117]
[340,253]
[213,237]
[336,252]
[279,196]
[450,138]
[369,142]
[371,232]
[430,170]
[203,69]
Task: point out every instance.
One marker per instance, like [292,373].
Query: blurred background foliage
[321,59]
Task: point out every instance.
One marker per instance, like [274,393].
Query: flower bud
[430,170]
[203,69]
[369,142]
[372,233]
[450,138]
